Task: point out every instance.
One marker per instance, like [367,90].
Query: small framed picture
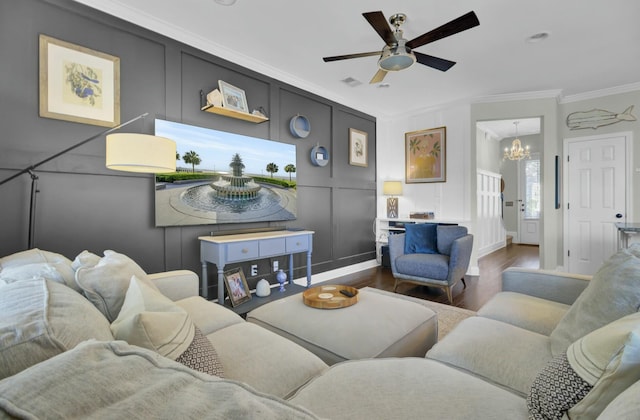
[78,84]
[237,286]
[358,148]
[233,97]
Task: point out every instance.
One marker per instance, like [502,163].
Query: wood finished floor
[479,288]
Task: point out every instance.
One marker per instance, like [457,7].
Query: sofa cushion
[406,388]
[263,359]
[613,292]
[151,320]
[498,352]
[208,316]
[609,360]
[524,311]
[446,235]
[105,284]
[116,380]
[35,263]
[420,238]
[52,318]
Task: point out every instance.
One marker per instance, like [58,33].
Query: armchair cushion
[432,266]
[420,238]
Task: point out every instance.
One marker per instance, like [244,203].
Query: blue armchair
[431,255]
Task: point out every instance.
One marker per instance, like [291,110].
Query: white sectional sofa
[99,338]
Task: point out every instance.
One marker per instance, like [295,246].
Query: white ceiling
[593,45]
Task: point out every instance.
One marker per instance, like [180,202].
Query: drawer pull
[297,243]
[245,250]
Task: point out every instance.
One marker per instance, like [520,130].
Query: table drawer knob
[245,250]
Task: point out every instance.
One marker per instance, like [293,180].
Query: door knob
[619,216]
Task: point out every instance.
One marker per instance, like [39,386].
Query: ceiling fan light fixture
[396,58]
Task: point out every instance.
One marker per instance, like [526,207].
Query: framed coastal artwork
[425,152]
[358,148]
[78,84]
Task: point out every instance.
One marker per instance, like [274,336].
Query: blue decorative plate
[319,156]
[299,126]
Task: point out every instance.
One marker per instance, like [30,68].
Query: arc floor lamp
[130,152]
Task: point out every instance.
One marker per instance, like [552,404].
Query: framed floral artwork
[78,84]
[425,152]
[358,148]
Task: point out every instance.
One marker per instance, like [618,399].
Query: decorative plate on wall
[319,156]
[299,126]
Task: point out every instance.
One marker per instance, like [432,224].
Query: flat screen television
[224,178]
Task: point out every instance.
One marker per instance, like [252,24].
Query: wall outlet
[275,265]
[254,269]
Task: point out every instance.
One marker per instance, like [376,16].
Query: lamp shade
[132,152]
[392,188]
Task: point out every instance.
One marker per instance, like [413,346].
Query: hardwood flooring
[479,288]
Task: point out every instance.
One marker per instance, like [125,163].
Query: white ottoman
[381,324]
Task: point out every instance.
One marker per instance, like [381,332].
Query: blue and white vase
[281,276]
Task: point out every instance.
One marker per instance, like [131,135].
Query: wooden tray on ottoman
[330,296]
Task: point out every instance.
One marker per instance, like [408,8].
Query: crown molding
[600,93]
[520,96]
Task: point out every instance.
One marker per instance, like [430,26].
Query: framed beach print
[78,84]
[237,287]
[425,152]
[357,147]
[233,97]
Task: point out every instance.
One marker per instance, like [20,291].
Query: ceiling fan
[398,54]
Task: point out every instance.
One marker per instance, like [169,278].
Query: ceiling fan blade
[345,57]
[378,77]
[379,23]
[460,24]
[435,62]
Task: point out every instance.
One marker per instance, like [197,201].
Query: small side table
[625,230]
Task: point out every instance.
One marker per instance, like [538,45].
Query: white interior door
[530,200]
[596,185]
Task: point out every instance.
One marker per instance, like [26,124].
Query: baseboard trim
[338,272]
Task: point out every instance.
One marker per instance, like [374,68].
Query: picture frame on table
[233,97]
[358,148]
[426,155]
[237,287]
[78,84]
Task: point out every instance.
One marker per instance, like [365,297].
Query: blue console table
[221,250]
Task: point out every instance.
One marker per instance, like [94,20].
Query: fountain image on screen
[224,178]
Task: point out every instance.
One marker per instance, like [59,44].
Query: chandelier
[517,152]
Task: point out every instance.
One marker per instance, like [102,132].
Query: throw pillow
[446,234]
[591,374]
[151,320]
[420,238]
[62,265]
[609,360]
[59,272]
[40,319]
[555,390]
[105,283]
[613,292]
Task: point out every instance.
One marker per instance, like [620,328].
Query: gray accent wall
[82,205]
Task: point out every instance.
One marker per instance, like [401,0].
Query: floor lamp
[124,152]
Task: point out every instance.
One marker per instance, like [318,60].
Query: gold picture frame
[358,148]
[233,97]
[78,84]
[237,286]
[426,155]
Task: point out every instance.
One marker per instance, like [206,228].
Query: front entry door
[596,199]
